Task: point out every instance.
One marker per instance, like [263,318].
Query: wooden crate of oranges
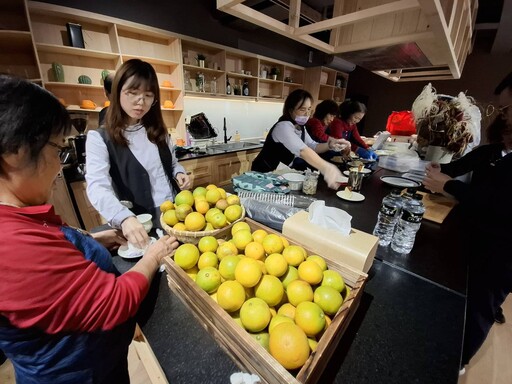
[276,309]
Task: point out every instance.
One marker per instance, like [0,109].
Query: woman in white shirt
[131,158]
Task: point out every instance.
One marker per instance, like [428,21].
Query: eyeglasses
[147,98]
[59,147]
[305,111]
[491,110]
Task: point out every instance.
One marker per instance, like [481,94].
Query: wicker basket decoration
[194,237]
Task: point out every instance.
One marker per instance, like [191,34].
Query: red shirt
[46,282]
[340,129]
[316,130]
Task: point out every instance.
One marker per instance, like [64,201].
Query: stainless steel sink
[234,146]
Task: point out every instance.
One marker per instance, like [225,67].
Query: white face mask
[301,120]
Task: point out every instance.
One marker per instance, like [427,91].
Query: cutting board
[437,207]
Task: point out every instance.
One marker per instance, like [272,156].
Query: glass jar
[310,183]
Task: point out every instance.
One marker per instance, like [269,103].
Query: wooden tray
[437,207]
[242,348]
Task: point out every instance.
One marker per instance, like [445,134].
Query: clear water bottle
[388,217]
[408,225]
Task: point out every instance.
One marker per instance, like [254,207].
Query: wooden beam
[383,42]
[226,4]
[294,17]
[355,17]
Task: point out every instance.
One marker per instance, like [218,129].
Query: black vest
[129,178]
[273,153]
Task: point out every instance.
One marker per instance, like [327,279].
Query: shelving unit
[326,83]
[18,53]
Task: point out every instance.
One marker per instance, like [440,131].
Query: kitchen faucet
[226,139]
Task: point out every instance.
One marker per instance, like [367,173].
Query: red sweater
[47,283]
[340,129]
[316,130]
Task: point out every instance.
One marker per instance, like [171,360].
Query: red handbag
[401,123]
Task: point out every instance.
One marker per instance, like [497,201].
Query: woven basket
[194,237]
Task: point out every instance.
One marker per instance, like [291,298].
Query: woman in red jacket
[351,112]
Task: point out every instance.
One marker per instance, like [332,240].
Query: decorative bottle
[245,88]
[228,87]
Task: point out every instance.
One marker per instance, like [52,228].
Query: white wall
[249,118]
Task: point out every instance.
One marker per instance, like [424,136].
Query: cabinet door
[90,216]
[199,171]
[228,166]
[62,203]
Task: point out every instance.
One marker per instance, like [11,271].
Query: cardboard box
[242,348]
[357,249]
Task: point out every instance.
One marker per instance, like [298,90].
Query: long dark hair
[349,107]
[295,99]
[29,116]
[117,120]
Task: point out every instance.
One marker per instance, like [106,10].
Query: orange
[285,241]
[328,299]
[278,319]
[182,211]
[199,191]
[208,244]
[184,197]
[226,249]
[254,250]
[208,259]
[299,291]
[289,345]
[262,266]
[192,272]
[194,221]
[310,317]
[346,292]
[248,272]
[312,344]
[294,255]
[289,276]
[209,227]
[166,205]
[287,310]
[233,199]
[233,212]
[276,264]
[311,272]
[227,266]
[236,317]
[273,244]
[319,260]
[255,315]
[270,290]
[214,296]
[231,295]
[333,279]
[223,193]
[212,196]
[170,217]
[238,226]
[219,220]
[179,227]
[208,279]
[262,338]
[222,204]
[259,234]
[241,238]
[211,186]
[186,256]
[201,206]
[210,213]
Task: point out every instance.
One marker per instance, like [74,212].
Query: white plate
[134,253]
[355,196]
[294,176]
[364,170]
[403,182]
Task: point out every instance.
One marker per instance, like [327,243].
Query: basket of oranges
[205,211]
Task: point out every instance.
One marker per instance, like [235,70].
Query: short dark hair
[299,96]
[107,83]
[505,83]
[29,116]
[325,108]
[349,107]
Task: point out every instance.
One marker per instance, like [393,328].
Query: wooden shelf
[151,60]
[61,49]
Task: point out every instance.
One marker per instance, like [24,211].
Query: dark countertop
[197,152]
[408,327]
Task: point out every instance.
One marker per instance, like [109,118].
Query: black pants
[489,283]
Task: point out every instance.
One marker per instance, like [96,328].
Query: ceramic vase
[58,72]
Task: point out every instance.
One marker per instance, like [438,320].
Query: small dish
[133,253]
[397,181]
[364,170]
[294,180]
[355,196]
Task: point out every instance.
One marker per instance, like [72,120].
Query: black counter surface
[407,329]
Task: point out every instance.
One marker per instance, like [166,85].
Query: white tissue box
[357,249]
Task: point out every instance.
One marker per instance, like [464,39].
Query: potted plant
[200,59]
[264,71]
[274,72]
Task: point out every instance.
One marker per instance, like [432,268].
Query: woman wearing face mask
[351,112]
[131,158]
[288,142]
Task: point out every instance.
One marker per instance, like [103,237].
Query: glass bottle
[228,86]
[245,88]
[213,85]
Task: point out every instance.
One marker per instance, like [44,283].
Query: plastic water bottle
[388,217]
[408,225]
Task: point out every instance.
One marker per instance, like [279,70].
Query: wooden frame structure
[441,29]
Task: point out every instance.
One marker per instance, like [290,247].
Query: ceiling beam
[413,37]
[503,41]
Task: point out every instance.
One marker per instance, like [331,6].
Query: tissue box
[357,249]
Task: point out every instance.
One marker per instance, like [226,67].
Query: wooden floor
[142,365]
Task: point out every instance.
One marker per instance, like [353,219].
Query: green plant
[275,71]
[200,56]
